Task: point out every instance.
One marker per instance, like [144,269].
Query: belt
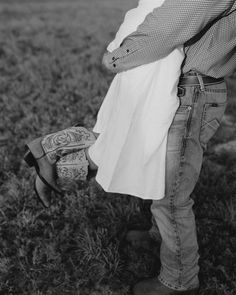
[195,79]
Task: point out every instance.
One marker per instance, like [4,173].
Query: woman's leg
[75,166]
[44,153]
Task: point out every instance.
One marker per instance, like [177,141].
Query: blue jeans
[195,122]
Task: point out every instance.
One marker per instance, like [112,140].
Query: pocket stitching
[206,106]
[209,124]
[205,123]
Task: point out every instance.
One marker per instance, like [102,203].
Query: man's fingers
[106,61]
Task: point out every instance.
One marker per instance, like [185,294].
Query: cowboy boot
[44,152]
[67,141]
[73,167]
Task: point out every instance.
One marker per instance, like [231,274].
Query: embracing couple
[163,106]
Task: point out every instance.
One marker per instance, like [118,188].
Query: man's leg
[195,122]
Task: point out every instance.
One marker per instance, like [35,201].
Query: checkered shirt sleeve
[166,28]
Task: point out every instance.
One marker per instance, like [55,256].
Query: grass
[50,78]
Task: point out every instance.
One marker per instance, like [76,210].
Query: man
[207,28]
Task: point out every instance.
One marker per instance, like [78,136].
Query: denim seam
[216,91]
[172,207]
[173,198]
[197,84]
[180,288]
[165,283]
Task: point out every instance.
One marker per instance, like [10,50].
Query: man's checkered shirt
[172,25]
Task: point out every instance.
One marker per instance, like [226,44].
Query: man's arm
[163,30]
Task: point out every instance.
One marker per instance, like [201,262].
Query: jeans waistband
[195,79]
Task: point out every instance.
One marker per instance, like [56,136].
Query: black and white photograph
[117,147]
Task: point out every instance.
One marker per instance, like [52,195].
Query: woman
[132,124]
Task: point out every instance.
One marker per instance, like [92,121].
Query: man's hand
[167,27]
[105,61]
[108,63]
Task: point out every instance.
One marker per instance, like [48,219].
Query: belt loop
[202,87]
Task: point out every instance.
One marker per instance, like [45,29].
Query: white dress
[134,119]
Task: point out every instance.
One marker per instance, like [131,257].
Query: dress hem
[125,191]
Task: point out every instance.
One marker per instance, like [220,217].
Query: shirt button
[113,58]
[114,65]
